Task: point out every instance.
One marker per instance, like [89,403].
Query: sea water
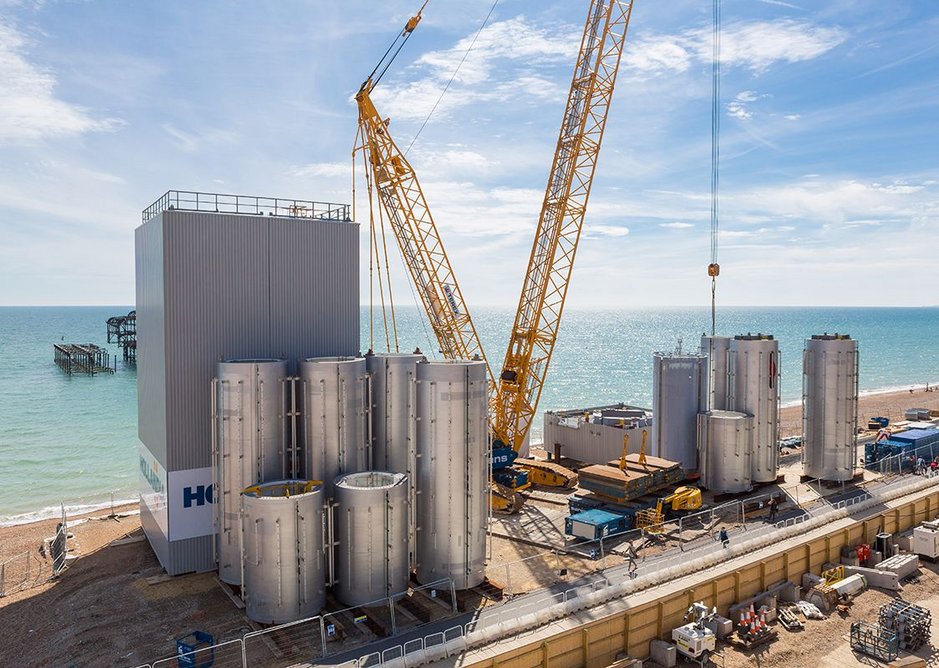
[74,439]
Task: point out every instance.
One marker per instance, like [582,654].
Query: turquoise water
[74,439]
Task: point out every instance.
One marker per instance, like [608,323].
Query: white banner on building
[191,502]
[153,487]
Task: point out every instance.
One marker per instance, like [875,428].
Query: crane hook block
[714,269]
[412,22]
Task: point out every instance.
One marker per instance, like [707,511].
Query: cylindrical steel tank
[676,401]
[754,389]
[371,530]
[452,475]
[392,381]
[724,451]
[284,562]
[391,377]
[829,407]
[250,441]
[717,349]
[334,418]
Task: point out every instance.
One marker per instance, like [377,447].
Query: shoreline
[892,389]
[75,508]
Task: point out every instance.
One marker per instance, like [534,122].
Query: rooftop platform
[248,205]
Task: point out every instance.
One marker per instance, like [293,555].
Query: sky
[829,139]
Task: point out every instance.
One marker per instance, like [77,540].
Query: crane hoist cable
[400,40]
[452,76]
[714,269]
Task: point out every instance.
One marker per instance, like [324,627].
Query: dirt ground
[101,611]
[825,643]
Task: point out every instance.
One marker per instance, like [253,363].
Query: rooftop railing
[251,205]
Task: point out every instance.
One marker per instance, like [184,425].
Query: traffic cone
[743,620]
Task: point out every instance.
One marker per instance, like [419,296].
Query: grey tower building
[225,277]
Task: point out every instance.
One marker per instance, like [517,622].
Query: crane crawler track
[548,473]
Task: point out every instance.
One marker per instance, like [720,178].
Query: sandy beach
[887,404]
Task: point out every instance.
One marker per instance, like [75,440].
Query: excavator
[682,499]
[514,395]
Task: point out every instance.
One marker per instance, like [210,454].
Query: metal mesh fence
[286,644]
[27,570]
[22,572]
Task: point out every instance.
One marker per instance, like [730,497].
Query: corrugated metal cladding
[215,286]
[589,442]
[158,542]
[190,554]
[151,374]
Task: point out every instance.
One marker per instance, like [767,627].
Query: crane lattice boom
[421,247]
[562,215]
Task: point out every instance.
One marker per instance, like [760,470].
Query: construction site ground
[113,606]
[825,643]
[530,549]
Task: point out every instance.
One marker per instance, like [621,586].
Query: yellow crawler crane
[548,273]
[402,199]
[514,400]
[414,229]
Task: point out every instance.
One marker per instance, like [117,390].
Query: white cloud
[780,3]
[739,107]
[190,142]
[605,231]
[499,46]
[831,204]
[739,111]
[792,117]
[322,169]
[455,160]
[653,54]
[30,111]
[754,45]
[898,188]
[758,44]
[513,39]
[676,226]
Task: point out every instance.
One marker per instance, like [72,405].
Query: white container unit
[724,451]
[335,438]
[249,443]
[284,569]
[677,398]
[452,471]
[754,389]
[371,528]
[829,407]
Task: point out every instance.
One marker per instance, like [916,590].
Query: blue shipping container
[917,436]
[593,524]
